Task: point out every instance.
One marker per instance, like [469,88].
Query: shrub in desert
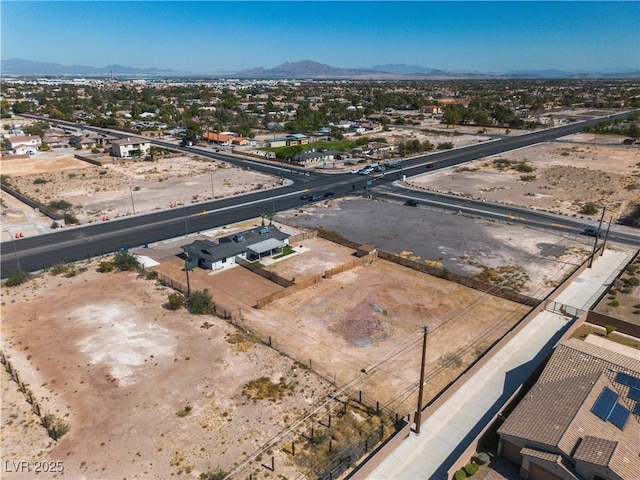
[124,261]
[56,427]
[105,267]
[213,475]
[175,301]
[17,277]
[589,208]
[200,302]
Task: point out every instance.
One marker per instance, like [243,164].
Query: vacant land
[369,319]
[120,188]
[530,261]
[560,177]
[148,392]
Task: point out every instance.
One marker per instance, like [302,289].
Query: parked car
[355,170]
[329,194]
[591,232]
[411,203]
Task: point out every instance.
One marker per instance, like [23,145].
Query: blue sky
[206,36]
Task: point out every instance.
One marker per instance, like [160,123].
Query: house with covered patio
[253,244]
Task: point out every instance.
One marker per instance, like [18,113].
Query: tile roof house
[250,245]
[24,140]
[581,420]
[24,144]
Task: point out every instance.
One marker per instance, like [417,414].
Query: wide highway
[82,242]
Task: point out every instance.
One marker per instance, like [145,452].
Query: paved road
[78,243]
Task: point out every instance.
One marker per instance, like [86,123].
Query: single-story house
[250,245]
[130,147]
[289,140]
[313,157]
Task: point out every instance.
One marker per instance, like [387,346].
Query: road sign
[191,264]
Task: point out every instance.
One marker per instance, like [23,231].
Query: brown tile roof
[575,357]
[532,452]
[546,412]
[556,413]
[595,450]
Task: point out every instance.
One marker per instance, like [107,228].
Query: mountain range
[305,69]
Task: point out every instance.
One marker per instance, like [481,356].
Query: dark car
[329,194]
[305,197]
[315,198]
[591,232]
[411,203]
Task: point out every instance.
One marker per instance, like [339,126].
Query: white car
[366,171]
[355,170]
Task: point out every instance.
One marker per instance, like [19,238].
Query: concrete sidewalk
[449,431]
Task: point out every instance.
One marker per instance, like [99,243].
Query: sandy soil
[118,188]
[565,176]
[119,367]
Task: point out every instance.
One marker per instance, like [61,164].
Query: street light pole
[418,416]
[212,194]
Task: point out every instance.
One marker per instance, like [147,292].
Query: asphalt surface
[78,243]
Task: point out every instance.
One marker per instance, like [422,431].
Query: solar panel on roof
[634,394]
[628,380]
[619,416]
[636,411]
[605,403]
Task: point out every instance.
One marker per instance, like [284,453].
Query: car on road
[411,203]
[329,194]
[355,170]
[591,232]
[366,171]
[315,198]
[429,165]
[306,196]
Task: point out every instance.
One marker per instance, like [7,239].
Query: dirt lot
[563,176]
[99,351]
[96,191]
[529,260]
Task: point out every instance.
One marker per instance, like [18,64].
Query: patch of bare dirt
[147,392]
[120,188]
[562,178]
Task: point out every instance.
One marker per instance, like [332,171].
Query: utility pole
[133,206]
[418,415]
[213,197]
[606,235]
[595,240]
[186,269]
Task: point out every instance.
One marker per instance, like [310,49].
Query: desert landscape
[559,177]
[149,392]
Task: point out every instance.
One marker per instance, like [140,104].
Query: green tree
[451,115]
[634,131]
